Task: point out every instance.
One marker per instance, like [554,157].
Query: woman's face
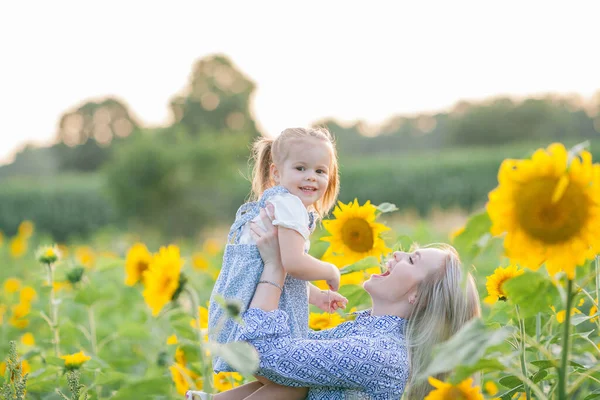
[404,272]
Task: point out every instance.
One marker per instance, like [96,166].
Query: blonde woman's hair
[267,151]
[446,300]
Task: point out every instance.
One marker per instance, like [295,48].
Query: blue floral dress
[240,273]
[362,359]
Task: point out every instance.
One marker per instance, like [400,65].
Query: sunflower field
[120,318]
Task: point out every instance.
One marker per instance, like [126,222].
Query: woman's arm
[375,365]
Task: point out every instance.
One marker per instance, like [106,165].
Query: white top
[289,213]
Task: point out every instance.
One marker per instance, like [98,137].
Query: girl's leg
[273,391]
[240,392]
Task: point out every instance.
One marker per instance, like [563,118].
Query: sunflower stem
[538,330]
[597,303]
[206,373]
[522,352]
[53,311]
[562,371]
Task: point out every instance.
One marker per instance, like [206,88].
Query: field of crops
[97,306]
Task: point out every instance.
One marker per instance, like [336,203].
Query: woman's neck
[401,310]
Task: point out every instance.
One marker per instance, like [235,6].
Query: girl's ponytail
[261,172]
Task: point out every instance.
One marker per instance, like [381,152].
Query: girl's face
[404,272]
[305,169]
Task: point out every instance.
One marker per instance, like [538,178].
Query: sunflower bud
[74,276]
[233,308]
[48,254]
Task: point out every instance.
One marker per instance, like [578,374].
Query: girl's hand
[330,302]
[334,281]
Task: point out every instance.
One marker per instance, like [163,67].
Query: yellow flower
[496,280]
[456,232]
[226,380]
[447,391]
[180,356]
[200,262]
[27,339]
[60,285]
[75,361]
[85,255]
[549,209]
[594,311]
[137,262]
[203,312]
[12,285]
[162,278]
[26,229]
[211,247]
[21,310]
[18,323]
[25,368]
[490,388]
[172,339]
[18,246]
[581,301]
[27,294]
[560,316]
[2,312]
[354,234]
[321,321]
[182,377]
[48,254]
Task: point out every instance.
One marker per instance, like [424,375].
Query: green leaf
[144,389]
[579,318]
[466,347]
[510,381]
[593,395]
[475,236]
[485,365]
[133,330]
[532,291]
[242,356]
[356,295]
[386,207]
[538,376]
[52,360]
[89,295]
[365,263]
[545,364]
[110,377]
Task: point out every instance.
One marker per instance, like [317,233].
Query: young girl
[297,173]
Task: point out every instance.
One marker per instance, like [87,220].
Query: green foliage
[64,206]
[14,382]
[177,184]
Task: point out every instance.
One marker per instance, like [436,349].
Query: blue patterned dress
[240,273]
[362,359]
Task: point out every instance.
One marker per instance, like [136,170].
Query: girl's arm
[304,266]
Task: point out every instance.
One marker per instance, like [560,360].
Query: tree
[102,121]
[217,99]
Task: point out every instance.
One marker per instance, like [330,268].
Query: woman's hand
[267,240]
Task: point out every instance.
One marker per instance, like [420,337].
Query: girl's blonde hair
[267,151]
[446,300]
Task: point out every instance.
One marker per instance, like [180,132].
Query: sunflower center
[358,235]
[455,394]
[141,266]
[546,221]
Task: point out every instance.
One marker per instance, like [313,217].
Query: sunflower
[75,361]
[28,339]
[549,209]
[495,281]
[447,391]
[12,285]
[182,377]
[162,278]
[226,380]
[18,246]
[323,321]
[137,262]
[354,234]
[594,311]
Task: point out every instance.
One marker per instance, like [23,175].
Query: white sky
[351,60]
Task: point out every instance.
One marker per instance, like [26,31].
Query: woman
[420,301]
